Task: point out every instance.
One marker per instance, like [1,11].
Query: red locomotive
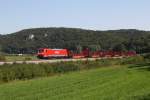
[52,53]
[65,53]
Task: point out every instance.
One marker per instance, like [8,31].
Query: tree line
[29,40]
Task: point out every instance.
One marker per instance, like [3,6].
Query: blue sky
[16,15]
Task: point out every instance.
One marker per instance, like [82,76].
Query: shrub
[20,71]
[2,58]
[64,67]
[27,58]
[7,74]
[147,56]
[143,97]
[29,71]
[133,60]
[95,64]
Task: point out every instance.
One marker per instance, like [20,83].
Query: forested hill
[29,40]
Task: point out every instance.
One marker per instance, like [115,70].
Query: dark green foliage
[28,58]
[95,64]
[133,60]
[29,71]
[147,56]
[21,71]
[2,58]
[120,47]
[28,41]
[144,97]
[64,67]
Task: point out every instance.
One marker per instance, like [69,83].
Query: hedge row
[29,71]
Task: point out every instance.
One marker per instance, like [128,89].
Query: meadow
[14,57]
[20,58]
[108,83]
[109,79]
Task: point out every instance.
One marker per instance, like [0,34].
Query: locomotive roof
[52,49]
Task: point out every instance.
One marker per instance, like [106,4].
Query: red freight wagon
[52,53]
[83,54]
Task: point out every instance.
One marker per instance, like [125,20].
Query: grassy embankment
[120,79]
[129,82]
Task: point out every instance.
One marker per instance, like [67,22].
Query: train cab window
[41,50]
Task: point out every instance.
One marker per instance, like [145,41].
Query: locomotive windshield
[40,50]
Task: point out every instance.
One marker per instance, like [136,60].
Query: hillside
[29,40]
[109,83]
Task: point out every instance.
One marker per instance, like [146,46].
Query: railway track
[54,60]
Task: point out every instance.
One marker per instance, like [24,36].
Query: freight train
[45,53]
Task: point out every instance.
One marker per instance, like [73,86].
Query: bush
[64,67]
[143,97]
[20,71]
[27,58]
[6,73]
[147,56]
[133,60]
[2,58]
[29,71]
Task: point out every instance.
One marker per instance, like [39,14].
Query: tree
[79,48]
[120,47]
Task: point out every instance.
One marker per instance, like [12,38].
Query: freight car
[65,53]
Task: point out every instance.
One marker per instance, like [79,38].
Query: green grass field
[20,58]
[109,83]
